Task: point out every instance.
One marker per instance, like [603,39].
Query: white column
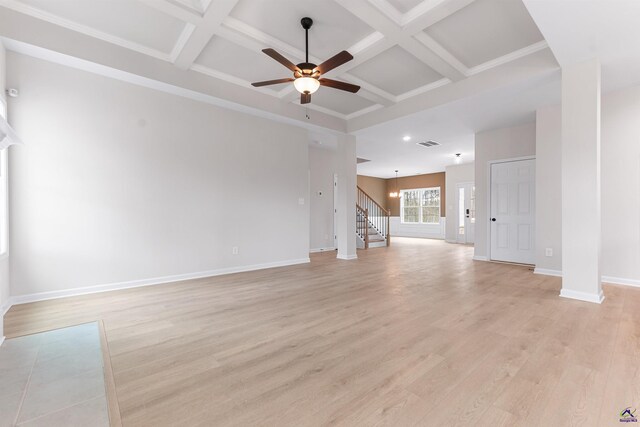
[581,226]
[346,209]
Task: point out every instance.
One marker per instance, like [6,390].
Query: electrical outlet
[234,250]
[548,252]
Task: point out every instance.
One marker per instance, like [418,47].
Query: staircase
[372,222]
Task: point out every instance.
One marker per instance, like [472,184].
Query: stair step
[380,244]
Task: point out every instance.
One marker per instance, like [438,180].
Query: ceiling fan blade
[281,59]
[305,98]
[334,61]
[272,82]
[339,85]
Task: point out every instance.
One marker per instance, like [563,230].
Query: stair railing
[362,225]
[377,216]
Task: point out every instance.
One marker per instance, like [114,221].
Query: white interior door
[512,215]
[466,212]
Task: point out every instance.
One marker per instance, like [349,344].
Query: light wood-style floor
[414,334]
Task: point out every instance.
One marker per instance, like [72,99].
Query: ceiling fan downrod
[306,24]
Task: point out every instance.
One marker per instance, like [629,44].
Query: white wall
[620,186]
[120,183]
[498,144]
[548,189]
[3,72]
[4,261]
[322,167]
[426,231]
[454,175]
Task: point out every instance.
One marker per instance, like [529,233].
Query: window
[420,206]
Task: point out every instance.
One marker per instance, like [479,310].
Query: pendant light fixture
[394,194]
[458,158]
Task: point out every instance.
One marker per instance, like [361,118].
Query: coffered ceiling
[403,49]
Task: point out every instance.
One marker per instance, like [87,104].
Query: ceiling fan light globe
[306,84]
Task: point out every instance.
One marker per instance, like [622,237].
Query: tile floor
[54,378]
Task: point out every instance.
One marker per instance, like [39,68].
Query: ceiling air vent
[361,160]
[428,143]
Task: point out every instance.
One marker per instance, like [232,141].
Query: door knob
[493,219]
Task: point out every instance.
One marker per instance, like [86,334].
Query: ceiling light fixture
[306,85]
[306,76]
[394,194]
[406,138]
[458,158]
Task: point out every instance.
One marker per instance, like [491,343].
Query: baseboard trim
[605,279]
[621,281]
[480,258]
[419,236]
[3,310]
[5,307]
[347,257]
[582,296]
[547,272]
[316,250]
[42,296]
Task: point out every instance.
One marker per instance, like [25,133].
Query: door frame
[458,185]
[488,212]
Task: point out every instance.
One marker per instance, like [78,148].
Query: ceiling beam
[430,58]
[431,12]
[370,92]
[374,97]
[175,10]
[245,35]
[439,50]
[204,31]
[377,14]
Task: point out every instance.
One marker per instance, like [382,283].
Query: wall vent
[429,143]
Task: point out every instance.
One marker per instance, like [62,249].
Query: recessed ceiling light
[406,138]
